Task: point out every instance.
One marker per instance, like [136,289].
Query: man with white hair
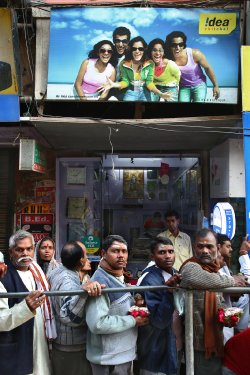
[24,323]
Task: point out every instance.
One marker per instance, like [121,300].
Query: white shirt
[20,313]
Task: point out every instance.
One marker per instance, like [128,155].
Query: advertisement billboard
[9,72]
[144,54]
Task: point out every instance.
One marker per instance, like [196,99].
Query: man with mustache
[24,323]
[111,341]
[201,273]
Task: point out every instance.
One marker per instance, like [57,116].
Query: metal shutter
[7,158]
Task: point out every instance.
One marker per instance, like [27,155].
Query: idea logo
[217,23]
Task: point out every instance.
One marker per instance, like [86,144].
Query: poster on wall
[115,54]
[133,184]
[40,225]
[9,72]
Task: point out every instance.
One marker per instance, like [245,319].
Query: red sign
[45,194]
[38,168]
[40,225]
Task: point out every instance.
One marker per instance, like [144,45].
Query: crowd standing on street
[93,332]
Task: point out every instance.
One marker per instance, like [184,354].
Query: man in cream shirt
[181,241]
[24,348]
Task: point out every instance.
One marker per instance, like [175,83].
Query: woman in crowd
[45,255]
[137,73]
[86,268]
[193,86]
[95,71]
[166,72]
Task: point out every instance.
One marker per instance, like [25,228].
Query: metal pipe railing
[189,349]
[127,289]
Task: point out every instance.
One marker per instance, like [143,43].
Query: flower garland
[229,317]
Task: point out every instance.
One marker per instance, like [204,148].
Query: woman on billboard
[166,72]
[137,74]
[95,70]
[193,86]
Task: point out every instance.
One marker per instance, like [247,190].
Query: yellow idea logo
[217,23]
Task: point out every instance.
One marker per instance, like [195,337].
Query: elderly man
[111,342]
[201,273]
[69,348]
[181,241]
[24,323]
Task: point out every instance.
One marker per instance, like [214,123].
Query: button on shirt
[182,247]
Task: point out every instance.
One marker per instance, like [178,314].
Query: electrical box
[227,170]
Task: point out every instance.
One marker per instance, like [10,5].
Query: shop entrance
[137,192]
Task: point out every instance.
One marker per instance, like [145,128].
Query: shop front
[126,195]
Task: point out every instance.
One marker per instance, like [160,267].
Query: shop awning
[158,135]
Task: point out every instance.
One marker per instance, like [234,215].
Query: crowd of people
[132,70]
[92,332]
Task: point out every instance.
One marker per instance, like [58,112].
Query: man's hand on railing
[240,280]
[174,281]
[245,246]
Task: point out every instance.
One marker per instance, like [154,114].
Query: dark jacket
[156,341]
[16,346]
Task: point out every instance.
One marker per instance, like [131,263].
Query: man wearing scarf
[201,273]
[111,341]
[25,324]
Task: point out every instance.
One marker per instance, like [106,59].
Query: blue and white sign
[224,221]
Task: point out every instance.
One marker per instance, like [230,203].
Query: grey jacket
[194,277]
[69,311]
[112,331]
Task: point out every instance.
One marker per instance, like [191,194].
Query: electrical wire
[112,153]
[27,41]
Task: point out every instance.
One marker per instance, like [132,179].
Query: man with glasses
[192,62]
[121,38]
[25,323]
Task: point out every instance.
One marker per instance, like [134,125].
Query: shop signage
[45,194]
[224,221]
[92,244]
[40,225]
[94,258]
[31,156]
[206,30]
[245,62]
[9,83]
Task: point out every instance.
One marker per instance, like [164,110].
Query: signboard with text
[9,67]
[31,156]
[40,225]
[199,66]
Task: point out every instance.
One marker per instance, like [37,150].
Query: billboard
[144,54]
[9,68]
[245,61]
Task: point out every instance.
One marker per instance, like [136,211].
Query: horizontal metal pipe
[127,289]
